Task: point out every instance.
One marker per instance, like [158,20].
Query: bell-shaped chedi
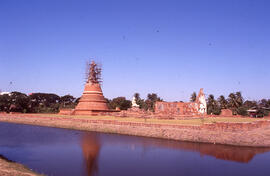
[92,102]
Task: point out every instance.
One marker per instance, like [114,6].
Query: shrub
[242,111]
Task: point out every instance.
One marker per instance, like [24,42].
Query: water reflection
[231,153]
[90,148]
[223,152]
[55,151]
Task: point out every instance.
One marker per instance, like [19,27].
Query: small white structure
[134,104]
[201,100]
[5,93]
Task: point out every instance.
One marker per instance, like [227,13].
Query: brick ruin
[92,101]
[226,112]
[198,107]
[168,110]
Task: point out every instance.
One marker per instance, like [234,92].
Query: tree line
[236,103]
[51,103]
[145,104]
[35,102]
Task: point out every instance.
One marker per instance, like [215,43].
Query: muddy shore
[9,168]
[255,134]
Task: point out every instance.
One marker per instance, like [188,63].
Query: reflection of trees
[224,152]
[90,148]
[91,145]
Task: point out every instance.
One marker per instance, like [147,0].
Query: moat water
[62,152]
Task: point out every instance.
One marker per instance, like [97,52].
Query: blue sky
[167,47]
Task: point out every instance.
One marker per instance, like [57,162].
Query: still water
[63,152]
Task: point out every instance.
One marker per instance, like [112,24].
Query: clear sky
[162,46]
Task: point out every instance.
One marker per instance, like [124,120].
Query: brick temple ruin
[168,110]
[198,107]
[92,101]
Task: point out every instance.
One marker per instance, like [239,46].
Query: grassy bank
[191,121]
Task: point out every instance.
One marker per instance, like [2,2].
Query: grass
[197,121]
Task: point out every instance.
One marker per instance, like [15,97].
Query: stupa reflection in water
[91,145]
[90,148]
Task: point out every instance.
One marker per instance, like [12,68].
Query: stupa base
[91,112]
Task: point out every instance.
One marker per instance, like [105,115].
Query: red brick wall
[176,108]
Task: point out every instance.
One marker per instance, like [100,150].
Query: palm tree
[193,97]
[223,103]
[212,105]
[239,99]
[250,104]
[232,101]
[137,97]
[151,100]
[235,101]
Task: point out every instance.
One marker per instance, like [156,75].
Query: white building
[5,93]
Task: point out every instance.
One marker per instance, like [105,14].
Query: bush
[242,111]
[120,102]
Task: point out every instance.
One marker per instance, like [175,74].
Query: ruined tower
[92,102]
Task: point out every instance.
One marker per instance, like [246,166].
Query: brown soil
[9,168]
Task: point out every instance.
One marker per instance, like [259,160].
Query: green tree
[263,107]
[78,99]
[264,103]
[19,102]
[223,103]
[250,104]
[151,100]
[235,101]
[193,97]
[242,110]
[5,102]
[137,98]
[120,102]
[212,105]
[239,99]
[141,102]
[67,101]
[44,103]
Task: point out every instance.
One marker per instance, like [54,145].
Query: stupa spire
[93,73]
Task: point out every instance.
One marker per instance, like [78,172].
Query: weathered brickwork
[92,102]
[183,108]
[226,112]
[176,108]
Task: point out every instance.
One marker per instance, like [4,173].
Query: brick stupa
[92,102]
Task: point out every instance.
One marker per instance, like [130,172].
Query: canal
[63,152]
